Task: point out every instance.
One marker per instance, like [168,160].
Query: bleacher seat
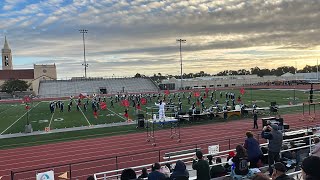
[62,88]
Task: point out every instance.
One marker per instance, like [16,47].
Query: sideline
[19,118]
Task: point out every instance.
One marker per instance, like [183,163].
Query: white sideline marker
[83,114]
[19,118]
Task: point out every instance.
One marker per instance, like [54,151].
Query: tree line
[252,71]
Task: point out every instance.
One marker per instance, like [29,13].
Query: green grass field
[13,117]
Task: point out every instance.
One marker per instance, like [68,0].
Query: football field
[13,117]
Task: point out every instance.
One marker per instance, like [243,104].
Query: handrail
[215,154]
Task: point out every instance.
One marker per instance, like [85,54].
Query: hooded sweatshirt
[180,170]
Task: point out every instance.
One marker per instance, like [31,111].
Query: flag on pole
[125,103]
[143,101]
[103,105]
[242,91]
[196,94]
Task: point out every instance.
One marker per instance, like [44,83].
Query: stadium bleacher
[63,88]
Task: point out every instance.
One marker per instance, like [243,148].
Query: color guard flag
[167,92]
[26,99]
[242,91]
[103,105]
[143,101]
[125,103]
[207,90]
[196,94]
[27,107]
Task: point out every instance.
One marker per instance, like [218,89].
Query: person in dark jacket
[210,158]
[310,168]
[202,166]
[255,119]
[180,171]
[128,174]
[156,174]
[240,161]
[253,150]
[144,173]
[275,138]
[217,170]
[279,172]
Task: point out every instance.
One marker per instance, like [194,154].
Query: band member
[95,113]
[161,109]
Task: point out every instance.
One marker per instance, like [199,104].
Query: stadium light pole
[180,42]
[84,31]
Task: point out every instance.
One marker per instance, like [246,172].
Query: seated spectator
[310,168]
[240,162]
[180,172]
[202,166]
[316,148]
[128,174]
[296,154]
[90,178]
[227,166]
[287,154]
[169,167]
[253,150]
[210,158]
[260,176]
[144,173]
[217,170]
[156,174]
[279,172]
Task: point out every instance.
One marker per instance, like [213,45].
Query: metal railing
[188,156]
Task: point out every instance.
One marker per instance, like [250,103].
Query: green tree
[13,85]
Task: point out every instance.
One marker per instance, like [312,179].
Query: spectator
[180,171]
[260,176]
[209,157]
[240,161]
[316,148]
[227,166]
[296,154]
[202,166]
[156,174]
[217,170]
[279,172]
[144,173]
[287,154]
[169,167]
[90,178]
[128,174]
[264,159]
[275,138]
[253,149]
[310,168]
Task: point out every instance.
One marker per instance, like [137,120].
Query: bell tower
[6,56]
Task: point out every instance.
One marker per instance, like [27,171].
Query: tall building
[6,56]
[32,76]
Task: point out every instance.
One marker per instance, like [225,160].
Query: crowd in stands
[245,162]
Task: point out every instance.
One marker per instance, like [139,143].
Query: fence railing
[188,156]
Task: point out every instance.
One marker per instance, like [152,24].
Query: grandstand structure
[75,86]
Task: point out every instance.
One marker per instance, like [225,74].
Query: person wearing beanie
[275,138]
[310,168]
[279,172]
[202,166]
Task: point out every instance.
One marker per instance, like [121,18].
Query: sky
[126,37]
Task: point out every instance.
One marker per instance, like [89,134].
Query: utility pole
[181,41]
[84,31]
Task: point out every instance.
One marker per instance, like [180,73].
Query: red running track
[72,152]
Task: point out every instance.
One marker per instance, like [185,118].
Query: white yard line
[51,118]
[117,115]
[19,118]
[83,113]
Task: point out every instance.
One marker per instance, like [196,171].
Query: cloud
[133,34]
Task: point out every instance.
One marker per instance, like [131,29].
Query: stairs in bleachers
[62,88]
